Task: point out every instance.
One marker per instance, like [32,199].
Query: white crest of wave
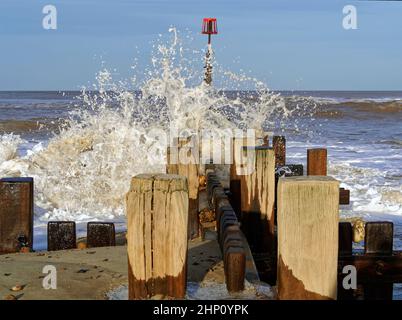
[8,147]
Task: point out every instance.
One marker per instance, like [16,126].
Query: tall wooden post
[16,214]
[61,235]
[157,219]
[316,162]
[308,218]
[190,169]
[237,154]
[379,239]
[257,199]
[279,144]
[101,234]
[345,246]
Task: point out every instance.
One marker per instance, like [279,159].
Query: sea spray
[8,147]
[84,171]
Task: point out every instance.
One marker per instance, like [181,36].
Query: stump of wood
[157,219]
[379,241]
[308,218]
[279,144]
[257,199]
[16,214]
[344,196]
[61,235]
[316,162]
[235,170]
[100,234]
[190,170]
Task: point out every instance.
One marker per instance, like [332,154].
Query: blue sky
[289,44]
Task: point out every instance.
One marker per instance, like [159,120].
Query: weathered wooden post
[265,141]
[235,268]
[61,235]
[308,218]
[101,234]
[379,239]
[258,197]
[344,196]
[16,214]
[183,160]
[279,144]
[345,246]
[157,220]
[237,145]
[316,162]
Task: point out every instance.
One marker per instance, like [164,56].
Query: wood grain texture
[379,241]
[185,164]
[157,219]
[101,234]
[308,218]
[317,162]
[16,214]
[61,235]
[258,197]
[344,196]
[279,145]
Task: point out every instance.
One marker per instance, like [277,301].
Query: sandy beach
[101,273]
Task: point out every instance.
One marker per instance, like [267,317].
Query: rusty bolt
[379,267]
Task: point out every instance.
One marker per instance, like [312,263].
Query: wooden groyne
[229,235]
[286,214]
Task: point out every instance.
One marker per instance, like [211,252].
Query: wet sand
[95,273]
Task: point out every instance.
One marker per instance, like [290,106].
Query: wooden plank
[375,269]
[186,158]
[379,238]
[257,198]
[238,145]
[61,235]
[157,220]
[235,196]
[344,196]
[218,195]
[16,214]
[100,234]
[230,227]
[238,160]
[279,144]
[223,210]
[224,213]
[289,170]
[232,239]
[345,249]
[212,183]
[345,238]
[317,162]
[379,241]
[235,268]
[308,218]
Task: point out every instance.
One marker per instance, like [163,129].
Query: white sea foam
[8,147]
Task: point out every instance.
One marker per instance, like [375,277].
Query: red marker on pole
[209,27]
